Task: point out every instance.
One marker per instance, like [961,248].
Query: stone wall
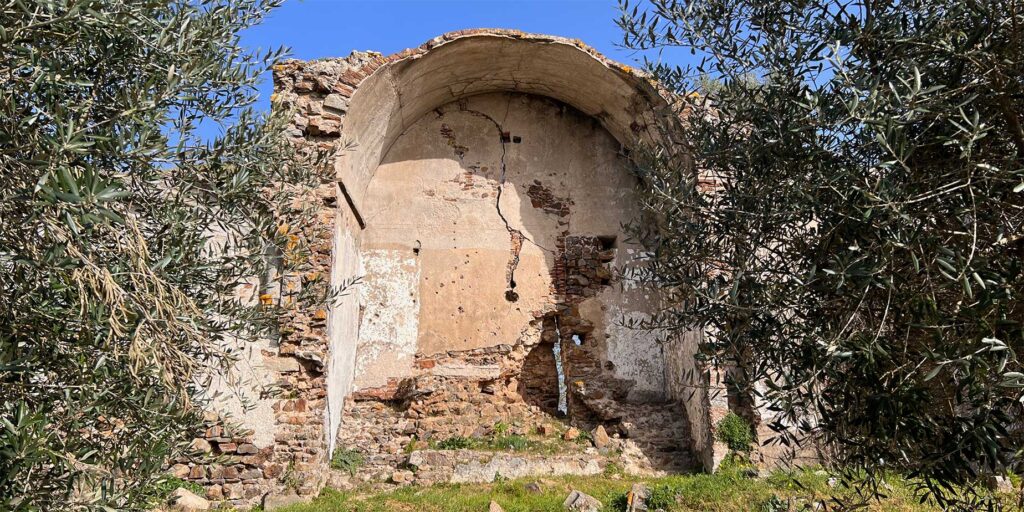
[539,381]
[241,474]
[285,448]
[476,226]
[701,390]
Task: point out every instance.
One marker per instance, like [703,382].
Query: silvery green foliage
[117,298]
[861,250]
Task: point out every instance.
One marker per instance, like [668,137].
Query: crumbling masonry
[482,205]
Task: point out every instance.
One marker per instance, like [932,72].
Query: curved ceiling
[458,65]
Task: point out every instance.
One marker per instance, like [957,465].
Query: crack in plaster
[516,235]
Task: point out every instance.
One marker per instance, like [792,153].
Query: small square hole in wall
[506,137]
[517,139]
[607,242]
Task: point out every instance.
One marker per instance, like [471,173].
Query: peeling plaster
[390,318]
[637,353]
[563,179]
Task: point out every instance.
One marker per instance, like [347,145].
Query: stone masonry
[479,201]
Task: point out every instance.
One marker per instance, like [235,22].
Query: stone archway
[398,91]
[470,254]
[552,239]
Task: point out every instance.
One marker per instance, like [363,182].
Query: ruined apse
[480,202]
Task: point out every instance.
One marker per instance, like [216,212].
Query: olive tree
[139,191]
[850,229]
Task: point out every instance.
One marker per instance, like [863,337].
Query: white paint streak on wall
[390,320]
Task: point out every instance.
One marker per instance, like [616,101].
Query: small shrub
[454,443]
[774,504]
[585,438]
[410,446]
[662,496]
[290,478]
[735,432]
[735,462]
[347,459]
[501,428]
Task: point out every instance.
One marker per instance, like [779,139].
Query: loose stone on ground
[184,500]
[580,502]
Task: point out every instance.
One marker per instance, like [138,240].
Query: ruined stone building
[481,205]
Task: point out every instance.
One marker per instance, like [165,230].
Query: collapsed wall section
[322,379]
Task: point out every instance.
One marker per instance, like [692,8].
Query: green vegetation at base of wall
[502,439]
[724,491]
[347,459]
[735,432]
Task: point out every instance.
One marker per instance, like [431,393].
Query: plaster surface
[390,317]
[445,211]
[343,324]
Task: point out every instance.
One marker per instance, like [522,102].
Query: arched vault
[398,90]
[371,102]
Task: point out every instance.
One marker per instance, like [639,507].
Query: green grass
[727,491]
[501,440]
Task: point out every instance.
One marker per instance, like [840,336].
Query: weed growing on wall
[347,459]
[735,432]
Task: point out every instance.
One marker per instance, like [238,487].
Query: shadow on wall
[504,213]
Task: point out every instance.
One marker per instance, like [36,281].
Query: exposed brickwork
[538,383]
[516,239]
[542,198]
[584,262]
[458,393]
[242,469]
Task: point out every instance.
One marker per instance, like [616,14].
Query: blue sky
[333,28]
